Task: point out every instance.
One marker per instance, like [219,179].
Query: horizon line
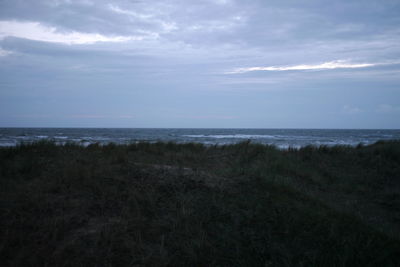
[216,128]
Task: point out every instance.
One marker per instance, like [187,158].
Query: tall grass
[167,204]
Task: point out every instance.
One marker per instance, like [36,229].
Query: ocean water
[282,138]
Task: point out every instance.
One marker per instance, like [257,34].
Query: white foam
[221,136]
[7,144]
[95,138]
[85,143]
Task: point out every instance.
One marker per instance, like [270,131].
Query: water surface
[282,138]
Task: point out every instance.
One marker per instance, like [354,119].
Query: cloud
[4,53]
[80,116]
[95,116]
[222,2]
[134,14]
[144,57]
[38,32]
[165,26]
[347,109]
[206,117]
[386,108]
[337,64]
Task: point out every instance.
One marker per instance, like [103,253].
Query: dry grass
[166,204]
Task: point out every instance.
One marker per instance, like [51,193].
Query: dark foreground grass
[168,204]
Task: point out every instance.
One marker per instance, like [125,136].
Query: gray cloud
[145,57]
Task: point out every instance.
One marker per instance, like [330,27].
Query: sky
[200,64]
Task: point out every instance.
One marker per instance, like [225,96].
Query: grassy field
[167,204]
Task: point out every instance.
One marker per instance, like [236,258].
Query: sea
[281,138]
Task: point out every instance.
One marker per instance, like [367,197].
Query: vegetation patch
[167,204]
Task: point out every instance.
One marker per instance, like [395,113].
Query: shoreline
[86,143]
[282,138]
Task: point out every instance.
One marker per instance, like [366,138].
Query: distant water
[282,138]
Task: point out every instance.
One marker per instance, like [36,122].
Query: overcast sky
[202,63]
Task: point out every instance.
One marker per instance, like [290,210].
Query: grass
[167,204]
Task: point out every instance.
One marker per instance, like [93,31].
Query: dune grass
[167,204]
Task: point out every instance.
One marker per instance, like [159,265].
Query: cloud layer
[292,63]
[37,32]
[338,64]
